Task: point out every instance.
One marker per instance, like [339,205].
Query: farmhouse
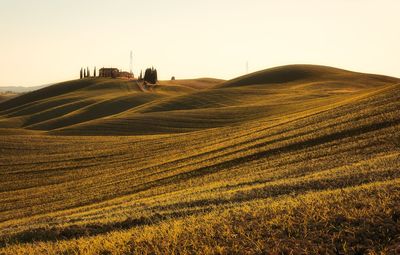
[109,72]
[125,74]
[114,73]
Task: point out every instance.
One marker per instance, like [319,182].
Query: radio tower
[131,62]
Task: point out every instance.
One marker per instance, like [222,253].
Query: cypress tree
[153,77]
[147,74]
[84,73]
[88,72]
[81,74]
[150,75]
[94,72]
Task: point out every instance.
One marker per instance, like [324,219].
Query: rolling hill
[7,95]
[21,89]
[296,159]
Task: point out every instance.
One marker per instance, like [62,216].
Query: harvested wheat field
[296,159]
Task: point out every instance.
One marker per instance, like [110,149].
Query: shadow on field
[285,189]
[199,172]
[93,229]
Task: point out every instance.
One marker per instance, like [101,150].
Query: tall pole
[131,62]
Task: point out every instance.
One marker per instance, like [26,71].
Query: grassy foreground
[294,160]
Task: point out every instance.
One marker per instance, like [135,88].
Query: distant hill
[201,83]
[4,96]
[305,74]
[21,89]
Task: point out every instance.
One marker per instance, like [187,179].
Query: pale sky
[46,41]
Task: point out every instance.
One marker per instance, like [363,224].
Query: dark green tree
[84,73]
[154,76]
[94,72]
[81,74]
[150,75]
[147,74]
[88,72]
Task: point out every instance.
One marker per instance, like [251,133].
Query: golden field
[291,160]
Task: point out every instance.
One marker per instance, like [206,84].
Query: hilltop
[296,159]
[310,75]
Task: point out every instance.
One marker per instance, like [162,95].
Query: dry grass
[4,96]
[316,174]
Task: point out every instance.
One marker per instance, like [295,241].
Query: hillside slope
[116,107]
[308,167]
[74,102]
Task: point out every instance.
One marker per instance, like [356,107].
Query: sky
[47,41]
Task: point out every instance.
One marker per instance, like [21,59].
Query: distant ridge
[298,73]
[22,89]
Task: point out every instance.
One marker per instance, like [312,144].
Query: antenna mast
[131,62]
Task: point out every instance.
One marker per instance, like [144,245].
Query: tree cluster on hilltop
[150,75]
[85,72]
